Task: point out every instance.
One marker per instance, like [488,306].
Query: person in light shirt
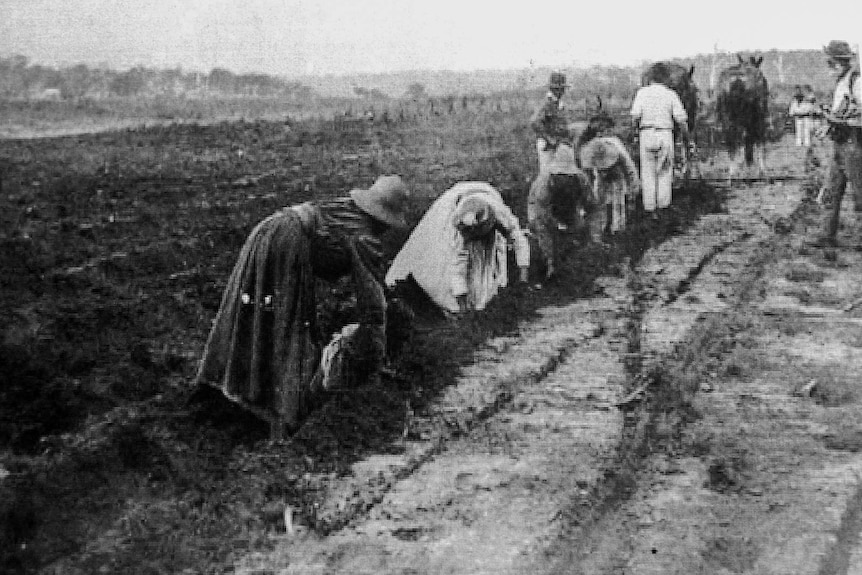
[655,110]
[845,130]
[802,110]
[457,253]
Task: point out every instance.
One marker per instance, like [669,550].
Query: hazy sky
[291,37]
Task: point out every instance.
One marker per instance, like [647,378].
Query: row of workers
[264,349]
[615,186]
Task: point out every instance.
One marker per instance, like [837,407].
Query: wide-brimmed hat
[386,200]
[838,50]
[474,217]
[599,154]
[558,80]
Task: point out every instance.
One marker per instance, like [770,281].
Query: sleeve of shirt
[370,298]
[678,110]
[857,90]
[637,106]
[461,268]
[537,120]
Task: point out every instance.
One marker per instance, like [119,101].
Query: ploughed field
[115,250]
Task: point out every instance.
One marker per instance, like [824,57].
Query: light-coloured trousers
[804,128]
[656,168]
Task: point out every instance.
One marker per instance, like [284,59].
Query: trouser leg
[598,220]
[648,179]
[853,170]
[664,187]
[807,129]
[665,173]
[837,185]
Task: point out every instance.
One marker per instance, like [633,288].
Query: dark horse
[679,79]
[742,108]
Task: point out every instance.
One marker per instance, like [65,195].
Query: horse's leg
[760,149]
[749,150]
[733,163]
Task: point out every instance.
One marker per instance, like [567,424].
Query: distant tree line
[19,79]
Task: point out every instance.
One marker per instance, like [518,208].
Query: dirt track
[495,448]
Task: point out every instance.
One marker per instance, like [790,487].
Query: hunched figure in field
[560,190]
[458,252]
[655,111]
[263,351]
[555,201]
[845,130]
[615,184]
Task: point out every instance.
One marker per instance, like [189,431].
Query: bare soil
[116,247]
[496,444]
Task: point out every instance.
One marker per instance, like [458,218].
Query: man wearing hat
[549,121]
[845,131]
[457,253]
[615,184]
[264,347]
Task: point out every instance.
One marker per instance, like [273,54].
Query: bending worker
[458,252]
[264,347]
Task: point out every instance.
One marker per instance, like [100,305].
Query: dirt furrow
[492,499]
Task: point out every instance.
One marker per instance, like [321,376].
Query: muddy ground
[115,251]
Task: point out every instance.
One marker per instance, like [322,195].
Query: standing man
[654,111]
[845,131]
[549,122]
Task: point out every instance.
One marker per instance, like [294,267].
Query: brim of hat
[477,230]
[837,56]
[363,199]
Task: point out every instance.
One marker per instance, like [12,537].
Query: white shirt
[842,88]
[657,106]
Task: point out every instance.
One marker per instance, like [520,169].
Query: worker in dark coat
[264,348]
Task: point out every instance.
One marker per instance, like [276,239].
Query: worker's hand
[463,306]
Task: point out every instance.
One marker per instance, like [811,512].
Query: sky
[299,37]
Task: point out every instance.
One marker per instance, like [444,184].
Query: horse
[742,109]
